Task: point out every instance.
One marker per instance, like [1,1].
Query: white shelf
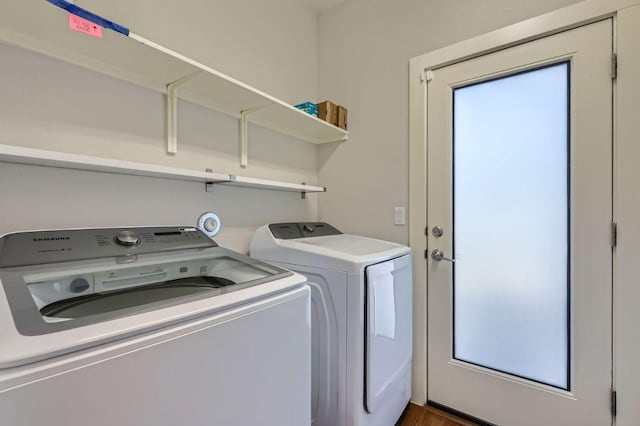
[42,27]
[272,184]
[40,157]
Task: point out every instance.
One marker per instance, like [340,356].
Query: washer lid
[48,298]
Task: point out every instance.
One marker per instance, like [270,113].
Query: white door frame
[626,16]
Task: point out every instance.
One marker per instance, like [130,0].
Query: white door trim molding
[422,70]
[550,23]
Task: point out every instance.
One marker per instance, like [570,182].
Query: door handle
[438,255]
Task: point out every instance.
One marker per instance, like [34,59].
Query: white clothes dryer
[361,319]
[148,326]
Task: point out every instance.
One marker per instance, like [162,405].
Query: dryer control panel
[33,248]
[287,231]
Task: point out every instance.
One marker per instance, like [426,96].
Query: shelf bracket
[244,135]
[172,112]
[208,186]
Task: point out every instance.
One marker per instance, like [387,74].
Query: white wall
[364,47]
[49,104]
[268,44]
[34,197]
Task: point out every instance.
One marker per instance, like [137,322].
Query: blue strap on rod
[83,13]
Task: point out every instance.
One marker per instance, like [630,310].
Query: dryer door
[388,331]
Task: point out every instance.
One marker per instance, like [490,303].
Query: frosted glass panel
[511,219]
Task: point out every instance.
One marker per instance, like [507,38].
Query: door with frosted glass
[519,213]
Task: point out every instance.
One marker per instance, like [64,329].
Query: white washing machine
[148,326]
[361,319]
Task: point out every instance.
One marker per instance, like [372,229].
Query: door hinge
[614,66]
[613,234]
[426,254]
[614,402]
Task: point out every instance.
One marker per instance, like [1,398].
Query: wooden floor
[429,416]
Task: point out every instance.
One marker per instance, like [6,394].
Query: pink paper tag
[82,25]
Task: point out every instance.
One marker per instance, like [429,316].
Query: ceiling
[322,5]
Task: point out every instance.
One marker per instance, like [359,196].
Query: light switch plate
[399,217]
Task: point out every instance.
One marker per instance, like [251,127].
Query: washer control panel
[287,231]
[33,248]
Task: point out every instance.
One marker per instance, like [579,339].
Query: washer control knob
[309,228]
[127,238]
